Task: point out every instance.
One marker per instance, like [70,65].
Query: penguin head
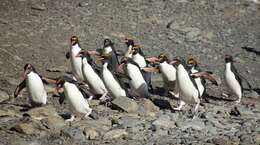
[108,42]
[177,61]
[228,58]
[74,40]
[129,42]
[28,68]
[61,81]
[162,57]
[136,49]
[124,60]
[191,62]
[104,57]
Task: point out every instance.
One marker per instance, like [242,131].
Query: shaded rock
[163,122]
[4,113]
[73,133]
[116,133]
[42,112]
[3,96]
[91,133]
[125,104]
[29,128]
[220,141]
[53,122]
[149,105]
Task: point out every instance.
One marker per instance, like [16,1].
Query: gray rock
[125,104]
[252,94]
[3,96]
[195,124]
[116,133]
[53,122]
[43,112]
[91,133]
[163,122]
[74,133]
[39,7]
[129,121]
[83,4]
[192,33]
[148,105]
[29,128]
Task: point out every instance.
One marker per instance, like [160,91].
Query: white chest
[108,49]
[188,91]
[111,84]
[36,88]
[92,78]
[75,98]
[136,76]
[139,60]
[76,62]
[198,81]
[231,81]
[168,71]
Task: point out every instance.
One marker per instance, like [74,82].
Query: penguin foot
[90,98]
[180,106]
[71,119]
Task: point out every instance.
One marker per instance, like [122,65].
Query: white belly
[76,62]
[76,99]
[112,85]
[199,83]
[168,71]
[137,81]
[92,78]
[188,92]
[139,60]
[108,49]
[37,93]
[232,83]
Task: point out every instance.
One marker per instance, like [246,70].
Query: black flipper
[239,77]
[19,88]
[250,49]
[68,55]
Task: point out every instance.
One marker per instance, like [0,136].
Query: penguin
[130,44]
[233,79]
[200,81]
[76,62]
[78,104]
[110,81]
[138,84]
[34,84]
[168,73]
[95,83]
[135,52]
[187,87]
[109,48]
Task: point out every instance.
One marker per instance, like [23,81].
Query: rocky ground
[38,31]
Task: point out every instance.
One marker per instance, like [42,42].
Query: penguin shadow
[206,97]
[65,116]
[257,90]
[160,91]
[162,104]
